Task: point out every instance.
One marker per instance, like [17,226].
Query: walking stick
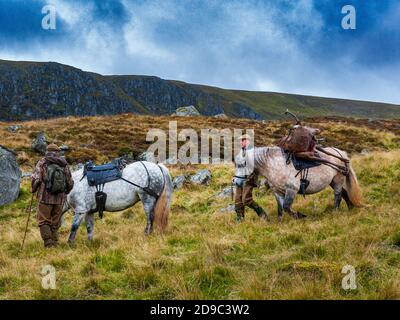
[29,210]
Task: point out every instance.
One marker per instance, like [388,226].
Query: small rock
[171,161]
[26,175]
[201,177]
[77,167]
[364,152]
[126,159]
[230,208]
[14,128]
[189,111]
[40,143]
[146,156]
[179,181]
[225,193]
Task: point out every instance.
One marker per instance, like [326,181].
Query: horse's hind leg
[337,186]
[149,203]
[89,219]
[347,199]
[78,218]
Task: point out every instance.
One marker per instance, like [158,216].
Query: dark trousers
[49,220]
[244,198]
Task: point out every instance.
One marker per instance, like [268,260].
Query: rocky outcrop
[30,90]
[36,90]
[39,144]
[10,176]
[189,111]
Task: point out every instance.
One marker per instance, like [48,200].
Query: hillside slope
[105,137]
[35,90]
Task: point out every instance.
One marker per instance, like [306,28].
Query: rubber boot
[239,214]
[54,236]
[47,236]
[259,210]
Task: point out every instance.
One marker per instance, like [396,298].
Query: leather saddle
[300,163]
[101,174]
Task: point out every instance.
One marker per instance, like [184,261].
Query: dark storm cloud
[290,46]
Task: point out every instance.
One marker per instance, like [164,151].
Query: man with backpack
[53,181]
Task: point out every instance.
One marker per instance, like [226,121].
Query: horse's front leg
[89,219]
[78,218]
[279,201]
[290,195]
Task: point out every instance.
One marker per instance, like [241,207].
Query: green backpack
[56,181]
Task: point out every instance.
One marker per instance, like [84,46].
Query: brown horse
[284,180]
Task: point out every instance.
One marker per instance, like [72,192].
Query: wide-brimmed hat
[245,137]
[53,148]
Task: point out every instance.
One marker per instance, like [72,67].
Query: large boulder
[189,111]
[179,182]
[14,128]
[40,143]
[201,177]
[221,116]
[10,176]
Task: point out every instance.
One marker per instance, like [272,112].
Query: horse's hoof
[300,215]
[71,243]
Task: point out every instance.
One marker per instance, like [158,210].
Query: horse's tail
[161,209]
[353,189]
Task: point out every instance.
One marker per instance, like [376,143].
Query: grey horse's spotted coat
[281,177]
[120,194]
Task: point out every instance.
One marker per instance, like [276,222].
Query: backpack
[56,180]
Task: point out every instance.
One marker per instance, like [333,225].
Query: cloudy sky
[295,46]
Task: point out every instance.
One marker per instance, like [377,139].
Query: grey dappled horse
[122,195]
[282,179]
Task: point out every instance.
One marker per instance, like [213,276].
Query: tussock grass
[204,254]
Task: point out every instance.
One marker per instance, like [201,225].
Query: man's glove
[35,186]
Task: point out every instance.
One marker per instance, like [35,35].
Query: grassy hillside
[204,254]
[272,105]
[104,138]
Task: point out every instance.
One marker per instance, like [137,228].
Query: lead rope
[147,189]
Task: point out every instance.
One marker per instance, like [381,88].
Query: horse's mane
[262,153]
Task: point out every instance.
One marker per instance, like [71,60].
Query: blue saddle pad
[98,175]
